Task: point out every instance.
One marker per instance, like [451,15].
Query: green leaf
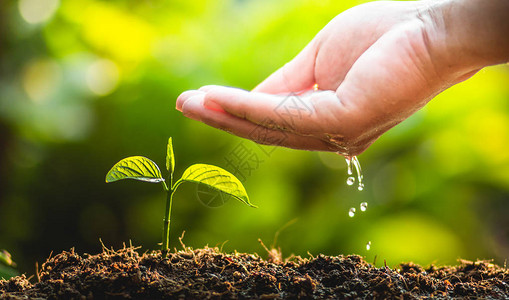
[135,167]
[7,272]
[217,179]
[170,158]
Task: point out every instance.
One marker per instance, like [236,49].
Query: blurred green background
[85,83]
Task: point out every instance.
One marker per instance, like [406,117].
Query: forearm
[468,35]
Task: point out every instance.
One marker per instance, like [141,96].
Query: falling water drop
[349,165]
[351,162]
[368,245]
[350,180]
[315,87]
[357,166]
[364,206]
[351,212]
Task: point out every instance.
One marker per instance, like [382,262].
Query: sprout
[144,169]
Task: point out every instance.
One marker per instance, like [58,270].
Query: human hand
[375,65]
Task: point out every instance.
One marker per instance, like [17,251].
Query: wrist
[466,35]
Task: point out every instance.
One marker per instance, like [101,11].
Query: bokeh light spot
[37,11]
[102,77]
[41,79]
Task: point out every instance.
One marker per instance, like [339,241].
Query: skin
[374,64]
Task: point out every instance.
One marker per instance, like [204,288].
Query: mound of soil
[209,274]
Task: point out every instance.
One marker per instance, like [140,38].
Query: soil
[209,274]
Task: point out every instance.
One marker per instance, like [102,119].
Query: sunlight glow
[118,33]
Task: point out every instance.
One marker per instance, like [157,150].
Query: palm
[371,65]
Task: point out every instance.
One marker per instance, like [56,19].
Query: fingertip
[178,104]
[191,107]
[182,98]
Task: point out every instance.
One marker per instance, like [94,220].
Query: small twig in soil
[263,245]
[50,254]
[275,255]
[37,272]
[182,242]
[454,276]
[244,267]
[402,278]
[276,235]
[289,258]
[103,246]
[222,245]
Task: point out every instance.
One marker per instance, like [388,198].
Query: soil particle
[209,274]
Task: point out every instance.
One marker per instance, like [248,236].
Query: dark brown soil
[209,274]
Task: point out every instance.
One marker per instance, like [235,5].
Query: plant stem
[166,221]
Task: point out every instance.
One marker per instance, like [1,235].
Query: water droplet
[364,206]
[351,162]
[348,165]
[368,245]
[351,212]
[315,87]
[357,166]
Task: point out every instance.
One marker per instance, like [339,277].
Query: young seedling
[143,169]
